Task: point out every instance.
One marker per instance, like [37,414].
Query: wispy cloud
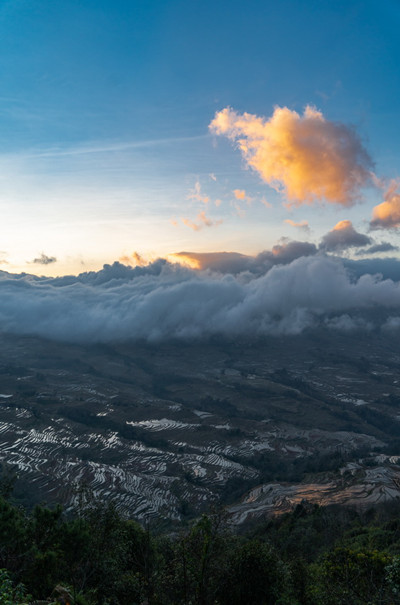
[378,249]
[134,260]
[197,195]
[240,212]
[202,220]
[308,158]
[302,225]
[242,195]
[266,203]
[105,147]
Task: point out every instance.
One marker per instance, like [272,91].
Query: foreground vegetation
[312,556]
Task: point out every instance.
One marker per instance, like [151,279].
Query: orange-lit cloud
[303,225]
[134,260]
[387,214]
[308,158]
[202,221]
[217,261]
[186,259]
[197,195]
[343,236]
[233,262]
[239,194]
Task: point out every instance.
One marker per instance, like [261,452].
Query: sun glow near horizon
[122,142]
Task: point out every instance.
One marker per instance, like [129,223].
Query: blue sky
[105,147]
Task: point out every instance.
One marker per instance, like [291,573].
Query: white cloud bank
[163,300]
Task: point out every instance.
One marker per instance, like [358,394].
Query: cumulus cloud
[303,225]
[289,251]
[307,157]
[344,236]
[43,259]
[164,300]
[202,221]
[387,214]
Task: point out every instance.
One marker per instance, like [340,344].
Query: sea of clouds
[295,288]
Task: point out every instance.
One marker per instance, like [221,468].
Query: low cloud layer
[272,295]
[307,157]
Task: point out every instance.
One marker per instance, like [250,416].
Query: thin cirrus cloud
[306,157]
[387,214]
